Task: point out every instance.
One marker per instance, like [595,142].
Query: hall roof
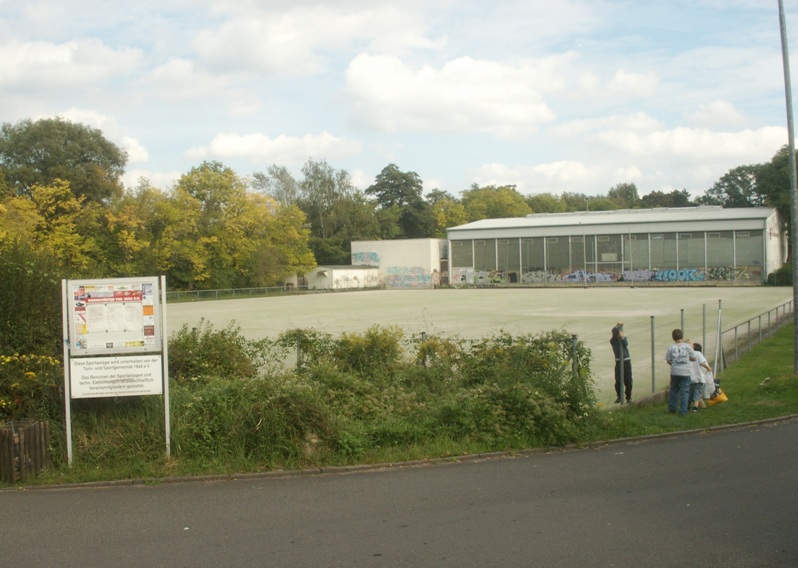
[627,220]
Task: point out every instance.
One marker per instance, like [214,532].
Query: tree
[448,211]
[395,187]
[53,222]
[676,198]
[277,183]
[624,195]
[38,153]
[319,190]
[400,193]
[736,188]
[545,203]
[491,202]
[773,184]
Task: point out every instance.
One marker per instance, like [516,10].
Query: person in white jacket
[701,373]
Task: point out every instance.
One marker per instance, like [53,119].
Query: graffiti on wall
[410,277]
[468,276]
[348,282]
[367,258]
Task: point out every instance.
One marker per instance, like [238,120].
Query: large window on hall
[462,254]
[532,255]
[720,248]
[485,254]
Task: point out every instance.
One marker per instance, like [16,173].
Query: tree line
[62,203]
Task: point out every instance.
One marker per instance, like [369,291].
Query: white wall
[342,278]
[407,263]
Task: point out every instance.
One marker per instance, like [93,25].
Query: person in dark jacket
[623,363]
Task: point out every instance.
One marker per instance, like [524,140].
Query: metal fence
[721,346]
[739,339]
[230,293]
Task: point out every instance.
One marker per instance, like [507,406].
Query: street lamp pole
[793,200]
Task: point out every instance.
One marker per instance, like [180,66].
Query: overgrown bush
[781,277]
[30,301]
[308,398]
[203,353]
[30,387]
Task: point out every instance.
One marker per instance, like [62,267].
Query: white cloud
[136,152]
[181,79]
[718,113]
[262,38]
[284,150]
[700,144]
[44,66]
[633,84]
[463,95]
[553,177]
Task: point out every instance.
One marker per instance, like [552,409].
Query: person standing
[702,373]
[623,363]
[679,356]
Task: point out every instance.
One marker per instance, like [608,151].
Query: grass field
[588,313]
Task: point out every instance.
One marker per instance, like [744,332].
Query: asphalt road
[722,498]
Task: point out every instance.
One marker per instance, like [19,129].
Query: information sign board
[115,315]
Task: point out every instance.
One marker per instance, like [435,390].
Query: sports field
[588,313]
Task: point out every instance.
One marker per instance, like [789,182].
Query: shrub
[781,277]
[375,353]
[266,420]
[203,353]
[30,387]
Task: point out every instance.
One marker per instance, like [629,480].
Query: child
[679,356]
[700,374]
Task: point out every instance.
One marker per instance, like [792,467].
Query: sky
[547,95]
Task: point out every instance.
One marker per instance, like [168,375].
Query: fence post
[574,364]
[736,349]
[653,359]
[298,354]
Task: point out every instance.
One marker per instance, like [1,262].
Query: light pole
[793,201]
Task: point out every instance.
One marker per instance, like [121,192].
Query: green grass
[760,386]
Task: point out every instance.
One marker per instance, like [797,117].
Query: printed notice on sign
[114,316]
[116,376]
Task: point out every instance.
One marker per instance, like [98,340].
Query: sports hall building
[684,245]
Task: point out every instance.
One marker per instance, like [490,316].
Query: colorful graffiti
[410,277]
[467,276]
[367,258]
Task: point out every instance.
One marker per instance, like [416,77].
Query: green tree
[53,222]
[278,183]
[448,211]
[736,188]
[38,153]
[773,184]
[351,218]
[320,189]
[545,203]
[30,302]
[676,198]
[492,202]
[401,192]
[624,195]
[231,237]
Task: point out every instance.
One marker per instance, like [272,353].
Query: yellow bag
[720,396]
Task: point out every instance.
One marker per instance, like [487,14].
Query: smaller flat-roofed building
[684,244]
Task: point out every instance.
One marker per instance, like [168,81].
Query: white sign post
[114,342]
